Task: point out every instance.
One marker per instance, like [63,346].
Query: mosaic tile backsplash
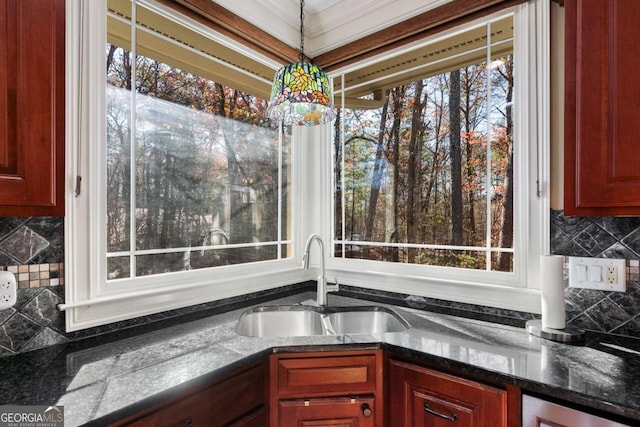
[33,248]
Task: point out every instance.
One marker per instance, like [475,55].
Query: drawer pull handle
[188,423]
[451,417]
[366,410]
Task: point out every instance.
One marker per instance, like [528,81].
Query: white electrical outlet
[7,290]
[612,275]
[605,274]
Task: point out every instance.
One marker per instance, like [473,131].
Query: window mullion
[280,152]
[342,157]
[132,145]
[489,180]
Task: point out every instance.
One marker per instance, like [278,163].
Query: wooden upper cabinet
[602,107]
[32,102]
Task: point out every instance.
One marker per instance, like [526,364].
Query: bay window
[431,182]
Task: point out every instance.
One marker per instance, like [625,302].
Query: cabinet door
[234,401]
[32,55]
[423,397]
[327,412]
[602,106]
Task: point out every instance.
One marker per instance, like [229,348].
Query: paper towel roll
[552,291]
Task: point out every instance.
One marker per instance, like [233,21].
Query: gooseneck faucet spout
[322,279]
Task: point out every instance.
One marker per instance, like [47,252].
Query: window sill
[97,311]
[491,295]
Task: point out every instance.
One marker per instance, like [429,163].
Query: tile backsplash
[33,248]
[601,237]
[35,240]
[37,275]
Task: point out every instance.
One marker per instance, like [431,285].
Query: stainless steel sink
[297,320]
[368,320]
[280,321]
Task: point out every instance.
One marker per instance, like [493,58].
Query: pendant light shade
[301,93]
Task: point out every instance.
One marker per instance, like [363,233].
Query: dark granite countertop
[100,380]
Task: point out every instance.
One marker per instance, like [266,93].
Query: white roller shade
[443,56]
[163,39]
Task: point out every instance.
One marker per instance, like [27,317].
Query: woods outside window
[432,181]
[425,173]
[206,172]
[439,163]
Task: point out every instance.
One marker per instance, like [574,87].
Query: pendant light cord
[301,55]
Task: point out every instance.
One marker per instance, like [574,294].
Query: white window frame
[518,290]
[89,299]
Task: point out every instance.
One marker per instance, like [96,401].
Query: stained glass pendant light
[301,93]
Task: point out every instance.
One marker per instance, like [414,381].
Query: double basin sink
[300,320]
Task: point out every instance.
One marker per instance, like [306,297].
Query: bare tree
[379,168]
[506,233]
[393,150]
[456,159]
[413,167]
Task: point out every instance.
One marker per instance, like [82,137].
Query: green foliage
[451,259]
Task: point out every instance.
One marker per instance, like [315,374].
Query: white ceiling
[328,23]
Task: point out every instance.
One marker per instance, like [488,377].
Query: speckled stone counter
[103,379]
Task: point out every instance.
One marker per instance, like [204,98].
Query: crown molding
[328,23]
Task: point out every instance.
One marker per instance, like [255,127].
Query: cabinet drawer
[326,375]
[325,412]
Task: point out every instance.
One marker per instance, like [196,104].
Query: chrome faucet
[323,288]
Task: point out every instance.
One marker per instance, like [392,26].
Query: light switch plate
[605,274]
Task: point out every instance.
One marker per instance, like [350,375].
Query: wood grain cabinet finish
[602,107]
[326,389]
[236,401]
[328,412]
[423,397]
[32,104]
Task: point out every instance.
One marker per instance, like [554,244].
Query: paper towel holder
[570,333]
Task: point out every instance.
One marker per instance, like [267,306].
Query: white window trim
[311,198]
[88,301]
[518,290]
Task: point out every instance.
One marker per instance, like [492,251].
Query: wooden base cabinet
[422,397]
[235,401]
[326,389]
